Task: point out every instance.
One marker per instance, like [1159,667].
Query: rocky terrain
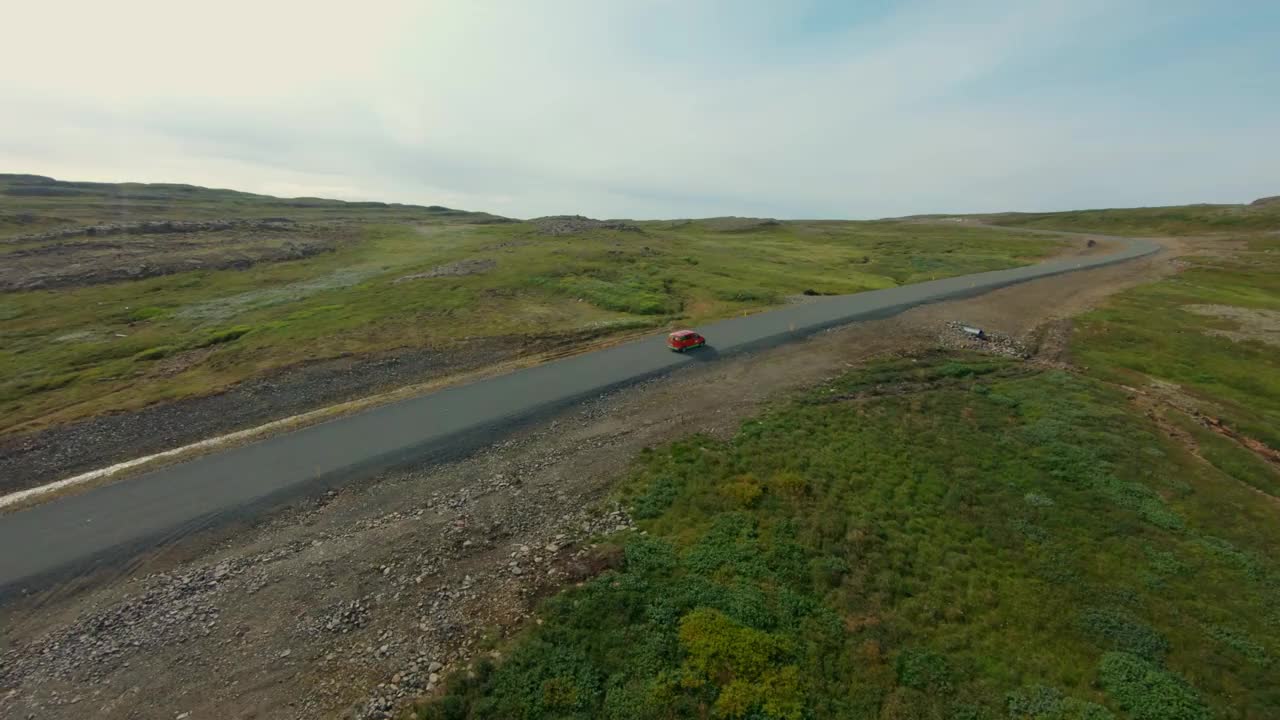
[153,227]
[472,266]
[558,225]
[957,335]
[115,252]
[402,582]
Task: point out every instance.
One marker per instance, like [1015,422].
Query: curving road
[75,533]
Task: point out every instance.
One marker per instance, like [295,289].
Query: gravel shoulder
[349,604]
[31,459]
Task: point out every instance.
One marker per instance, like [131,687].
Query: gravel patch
[1252,324]
[957,335]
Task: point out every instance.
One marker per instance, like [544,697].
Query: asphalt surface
[74,534]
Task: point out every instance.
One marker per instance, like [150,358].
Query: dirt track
[351,601]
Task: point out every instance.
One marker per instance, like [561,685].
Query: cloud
[649,108]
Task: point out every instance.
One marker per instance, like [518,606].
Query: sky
[656,108]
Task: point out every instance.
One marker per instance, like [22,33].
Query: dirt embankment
[353,601]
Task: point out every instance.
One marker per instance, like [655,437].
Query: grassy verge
[73,353]
[951,537]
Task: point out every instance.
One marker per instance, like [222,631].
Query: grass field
[1212,331]
[1204,330]
[77,352]
[1015,543]
[955,537]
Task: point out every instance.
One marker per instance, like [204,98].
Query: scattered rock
[473,266]
[962,336]
[155,227]
[93,254]
[348,616]
[557,225]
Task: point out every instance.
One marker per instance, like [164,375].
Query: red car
[682,340]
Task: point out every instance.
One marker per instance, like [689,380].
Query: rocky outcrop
[156,227]
[470,266]
[557,225]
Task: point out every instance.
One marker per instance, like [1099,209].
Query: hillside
[1074,519]
[1262,214]
[138,317]
[1174,220]
[29,203]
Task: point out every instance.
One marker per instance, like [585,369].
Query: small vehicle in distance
[682,340]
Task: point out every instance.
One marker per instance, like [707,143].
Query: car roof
[683,333]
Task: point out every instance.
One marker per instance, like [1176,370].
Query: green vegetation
[1148,691]
[944,537]
[1211,331]
[76,352]
[1175,220]
[936,537]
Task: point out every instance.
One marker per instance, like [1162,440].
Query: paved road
[73,534]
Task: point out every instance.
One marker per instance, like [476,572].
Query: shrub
[743,491]
[1039,702]
[1223,549]
[829,571]
[50,383]
[742,661]
[646,555]
[147,313]
[962,370]
[635,294]
[1035,499]
[226,335]
[1165,563]
[1239,641]
[789,484]
[1123,632]
[923,670]
[756,295]
[545,678]
[658,496]
[156,353]
[1147,691]
[969,712]
[730,544]
[1003,400]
